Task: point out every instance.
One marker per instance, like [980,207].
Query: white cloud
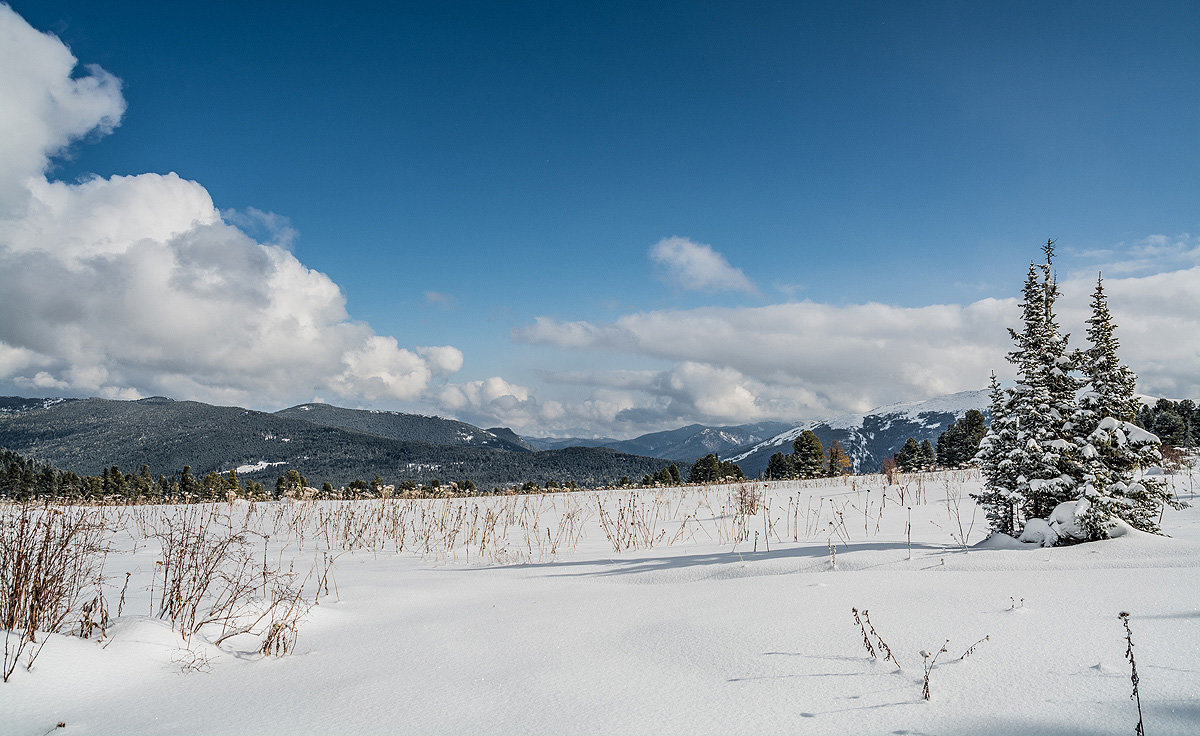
[44,106]
[697,267]
[442,359]
[494,400]
[808,359]
[132,285]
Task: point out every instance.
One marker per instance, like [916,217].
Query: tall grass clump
[48,558]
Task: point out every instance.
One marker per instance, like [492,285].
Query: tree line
[23,479]
[956,447]
[808,459]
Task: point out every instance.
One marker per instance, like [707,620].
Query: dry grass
[49,557]
[228,569]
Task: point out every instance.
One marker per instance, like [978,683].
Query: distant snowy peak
[959,403]
[871,436]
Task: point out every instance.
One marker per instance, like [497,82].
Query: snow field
[649,611]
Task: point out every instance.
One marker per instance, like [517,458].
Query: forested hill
[407,427]
[692,441]
[87,435]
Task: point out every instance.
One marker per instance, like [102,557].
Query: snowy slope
[870,437]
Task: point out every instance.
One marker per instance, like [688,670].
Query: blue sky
[520,162]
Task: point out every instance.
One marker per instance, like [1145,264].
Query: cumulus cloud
[697,267]
[131,285]
[45,105]
[494,401]
[808,359]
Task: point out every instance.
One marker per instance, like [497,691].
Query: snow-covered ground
[652,611]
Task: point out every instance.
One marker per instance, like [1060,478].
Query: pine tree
[1042,402]
[808,455]
[996,458]
[926,458]
[948,444]
[908,459]
[705,470]
[1145,418]
[187,483]
[1110,386]
[1111,447]
[1170,427]
[959,443]
[781,467]
[1059,365]
[1027,455]
[974,425]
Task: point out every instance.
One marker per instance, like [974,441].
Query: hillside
[407,427]
[871,437]
[558,443]
[89,434]
[688,443]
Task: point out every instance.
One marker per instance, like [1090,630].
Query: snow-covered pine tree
[1110,385]
[1029,462]
[1110,446]
[996,454]
[1036,402]
[1060,365]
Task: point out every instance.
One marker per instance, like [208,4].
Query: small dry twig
[1133,673]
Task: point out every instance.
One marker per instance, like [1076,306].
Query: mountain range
[331,443]
[322,443]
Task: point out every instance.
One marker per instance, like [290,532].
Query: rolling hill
[407,427]
[688,443]
[87,435]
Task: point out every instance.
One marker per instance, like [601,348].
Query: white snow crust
[692,634]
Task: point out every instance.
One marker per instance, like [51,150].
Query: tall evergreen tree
[808,455]
[705,469]
[1059,362]
[673,472]
[908,459]
[926,458]
[1110,446]
[188,486]
[1110,385]
[781,467]
[959,443]
[1039,404]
